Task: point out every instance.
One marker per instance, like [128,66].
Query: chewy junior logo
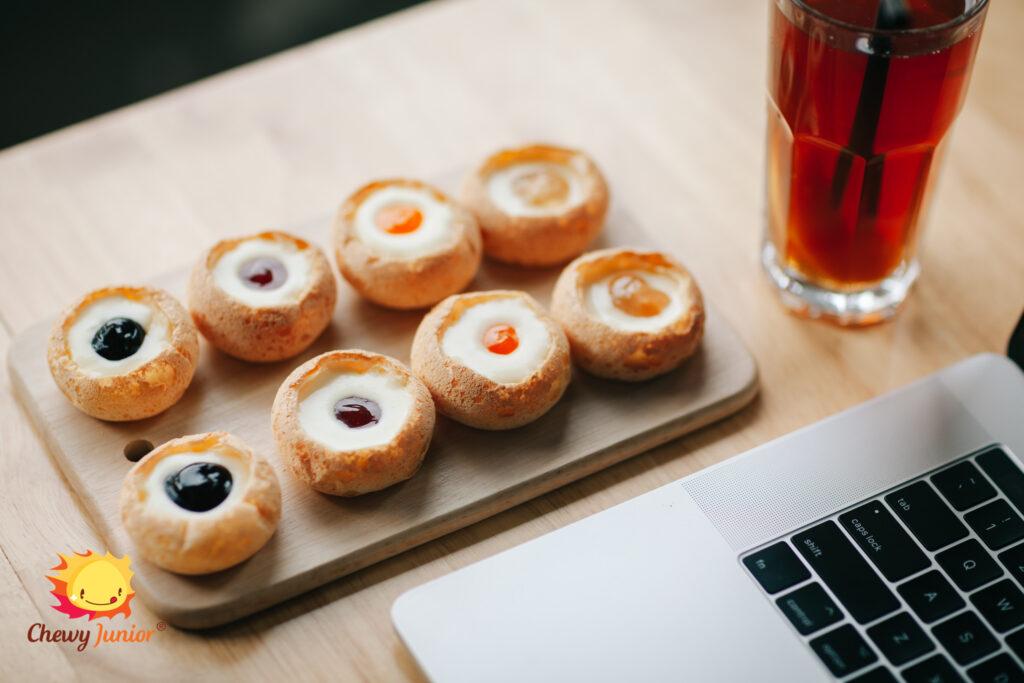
[93,586]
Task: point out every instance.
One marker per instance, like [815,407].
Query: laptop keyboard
[920,584]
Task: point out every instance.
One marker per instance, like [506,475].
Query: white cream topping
[464,340]
[156,491]
[600,305]
[501,188]
[316,408]
[93,316]
[296,262]
[432,235]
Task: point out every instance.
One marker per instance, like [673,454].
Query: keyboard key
[849,576]
[1013,559]
[969,565]
[1006,475]
[1016,642]
[879,675]
[843,651]
[900,639]
[1002,605]
[966,638]
[996,524]
[809,608]
[884,541]
[776,567]
[935,669]
[931,596]
[931,520]
[999,669]
[963,485]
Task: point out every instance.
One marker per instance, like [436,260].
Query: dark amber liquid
[854,230]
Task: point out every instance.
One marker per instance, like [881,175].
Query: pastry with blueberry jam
[492,360]
[403,244]
[629,314]
[200,504]
[350,422]
[123,353]
[264,297]
[539,205]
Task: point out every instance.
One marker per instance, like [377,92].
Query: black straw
[892,15]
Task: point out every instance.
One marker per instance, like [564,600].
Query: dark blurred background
[62,61]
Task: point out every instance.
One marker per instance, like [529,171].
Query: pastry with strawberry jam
[629,314]
[264,297]
[538,205]
[350,422]
[123,353]
[200,504]
[492,360]
[403,244]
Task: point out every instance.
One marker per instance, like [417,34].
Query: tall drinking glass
[861,95]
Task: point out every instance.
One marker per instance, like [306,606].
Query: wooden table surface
[667,95]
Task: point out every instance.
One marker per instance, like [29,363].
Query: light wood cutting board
[468,474]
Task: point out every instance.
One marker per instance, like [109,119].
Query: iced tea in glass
[861,96]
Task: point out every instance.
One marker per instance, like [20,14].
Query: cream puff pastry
[351,422]
[200,504]
[262,298]
[492,360]
[404,244]
[629,314]
[538,205]
[123,353]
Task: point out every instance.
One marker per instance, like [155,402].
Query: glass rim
[979,6]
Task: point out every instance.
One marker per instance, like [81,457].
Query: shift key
[884,541]
[926,515]
[845,572]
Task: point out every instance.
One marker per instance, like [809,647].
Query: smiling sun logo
[92,585]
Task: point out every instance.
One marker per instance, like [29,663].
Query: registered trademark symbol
[161,626]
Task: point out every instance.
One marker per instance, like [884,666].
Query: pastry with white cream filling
[123,353]
[200,504]
[350,422]
[629,314]
[492,360]
[264,297]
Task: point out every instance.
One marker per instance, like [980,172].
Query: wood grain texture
[468,474]
[668,96]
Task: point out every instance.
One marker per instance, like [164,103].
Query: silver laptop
[885,543]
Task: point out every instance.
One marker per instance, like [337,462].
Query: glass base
[851,308]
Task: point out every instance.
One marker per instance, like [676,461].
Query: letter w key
[1002,604]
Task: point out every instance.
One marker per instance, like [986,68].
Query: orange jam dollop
[632,295]
[501,339]
[541,187]
[399,219]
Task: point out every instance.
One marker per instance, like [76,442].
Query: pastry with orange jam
[403,244]
[538,205]
[264,297]
[629,314]
[492,360]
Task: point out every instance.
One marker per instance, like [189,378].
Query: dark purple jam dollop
[199,487]
[118,338]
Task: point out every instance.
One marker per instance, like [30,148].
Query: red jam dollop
[263,272]
[356,412]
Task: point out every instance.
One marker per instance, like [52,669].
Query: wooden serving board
[468,474]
